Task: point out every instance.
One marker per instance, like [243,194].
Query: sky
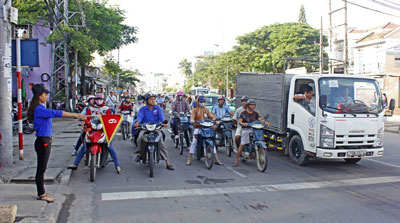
[170,30]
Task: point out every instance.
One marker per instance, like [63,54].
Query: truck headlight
[327,137]
[380,140]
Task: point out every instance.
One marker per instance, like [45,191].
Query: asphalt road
[322,191]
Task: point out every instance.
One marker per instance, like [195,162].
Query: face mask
[179,98]
[99,101]
[140,101]
[202,104]
[127,100]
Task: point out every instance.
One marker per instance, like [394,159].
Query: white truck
[343,120]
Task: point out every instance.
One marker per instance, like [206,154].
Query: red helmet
[99,95]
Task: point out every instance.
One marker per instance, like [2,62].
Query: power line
[375,10]
[385,5]
[392,2]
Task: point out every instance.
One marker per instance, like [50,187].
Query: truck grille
[352,140]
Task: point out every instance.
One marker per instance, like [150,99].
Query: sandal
[219,163]
[188,163]
[118,169]
[72,167]
[235,164]
[46,197]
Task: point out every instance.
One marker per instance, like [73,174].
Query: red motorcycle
[97,151]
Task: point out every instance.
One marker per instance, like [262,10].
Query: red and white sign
[110,125]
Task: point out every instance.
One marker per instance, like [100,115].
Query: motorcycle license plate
[358,153]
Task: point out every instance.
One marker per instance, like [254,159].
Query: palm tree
[186,67]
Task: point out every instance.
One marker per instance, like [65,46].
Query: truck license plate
[357,153]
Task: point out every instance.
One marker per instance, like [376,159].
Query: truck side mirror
[323,100]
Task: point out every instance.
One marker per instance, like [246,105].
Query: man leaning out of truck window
[305,97]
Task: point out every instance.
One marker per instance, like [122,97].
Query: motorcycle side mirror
[165,122]
[170,112]
[266,116]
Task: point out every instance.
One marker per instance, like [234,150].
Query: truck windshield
[351,95]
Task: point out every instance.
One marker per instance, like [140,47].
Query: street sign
[29,53]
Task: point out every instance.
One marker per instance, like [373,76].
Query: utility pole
[321,50]
[346,50]
[330,38]
[6,141]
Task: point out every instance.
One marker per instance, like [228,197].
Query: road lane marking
[245,189]
[236,172]
[384,163]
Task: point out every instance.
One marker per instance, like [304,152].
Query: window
[305,94]
[397,62]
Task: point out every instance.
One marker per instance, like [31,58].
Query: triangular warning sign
[110,125]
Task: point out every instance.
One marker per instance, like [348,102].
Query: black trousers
[42,148]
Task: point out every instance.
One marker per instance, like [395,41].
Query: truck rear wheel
[296,151]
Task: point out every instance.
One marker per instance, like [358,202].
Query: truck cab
[342,117]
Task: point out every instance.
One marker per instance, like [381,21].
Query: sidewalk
[17,183]
[392,123]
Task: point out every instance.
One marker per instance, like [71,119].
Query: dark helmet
[244,98]
[148,95]
[251,102]
[201,98]
[140,97]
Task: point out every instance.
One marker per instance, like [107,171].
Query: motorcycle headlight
[257,126]
[226,119]
[207,124]
[97,126]
[327,137]
[151,127]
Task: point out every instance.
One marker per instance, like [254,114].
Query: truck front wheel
[296,151]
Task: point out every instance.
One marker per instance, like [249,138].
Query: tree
[302,15]
[186,67]
[126,77]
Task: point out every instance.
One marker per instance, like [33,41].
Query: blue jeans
[78,143]
[82,152]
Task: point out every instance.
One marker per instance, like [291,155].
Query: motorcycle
[223,136]
[80,106]
[27,126]
[256,149]
[125,124]
[205,142]
[183,130]
[151,138]
[97,149]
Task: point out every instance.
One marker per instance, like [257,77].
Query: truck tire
[352,160]
[296,151]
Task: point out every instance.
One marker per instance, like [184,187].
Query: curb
[65,177]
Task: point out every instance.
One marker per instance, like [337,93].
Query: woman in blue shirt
[42,122]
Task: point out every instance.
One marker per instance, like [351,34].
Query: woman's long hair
[34,103]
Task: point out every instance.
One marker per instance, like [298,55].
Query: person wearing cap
[111,101]
[42,123]
[236,118]
[220,110]
[200,113]
[247,117]
[126,105]
[98,109]
[90,100]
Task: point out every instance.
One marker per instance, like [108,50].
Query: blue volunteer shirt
[145,115]
[42,120]
[220,112]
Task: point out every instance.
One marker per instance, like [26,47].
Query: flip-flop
[46,197]
[235,165]
[220,164]
[188,164]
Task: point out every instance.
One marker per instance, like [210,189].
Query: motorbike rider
[236,118]
[200,113]
[139,104]
[126,105]
[159,100]
[247,117]
[98,109]
[220,110]
[179,106]
[90,100]
[151,113]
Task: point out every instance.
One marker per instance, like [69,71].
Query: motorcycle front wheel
[262,159]
[229,146]
[93,159]
[209,156]
[151,163]
[181,144]
[28,128]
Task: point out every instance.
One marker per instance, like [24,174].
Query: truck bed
[271,94]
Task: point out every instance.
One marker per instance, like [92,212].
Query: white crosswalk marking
[246,189]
